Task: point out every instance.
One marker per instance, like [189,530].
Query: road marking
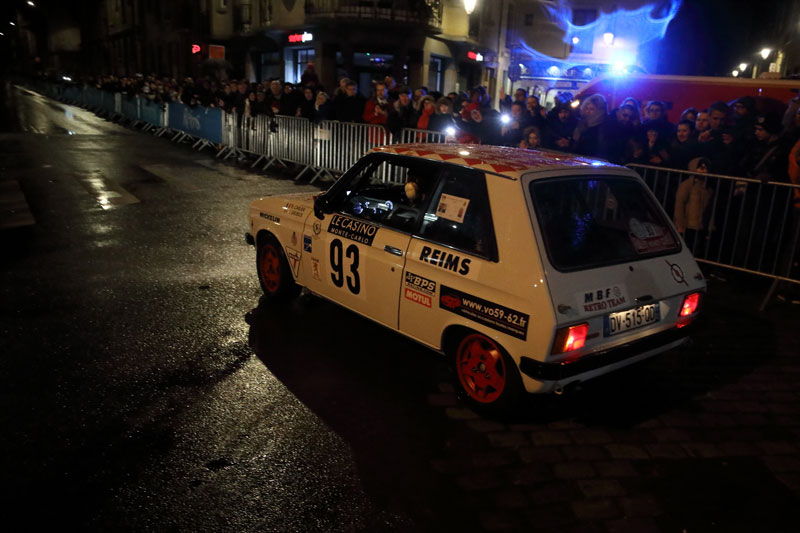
[14,209]
[108,193]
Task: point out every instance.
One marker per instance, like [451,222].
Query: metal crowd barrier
[411,135]
[746,224]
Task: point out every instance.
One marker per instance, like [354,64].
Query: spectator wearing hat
[309,77]
[692,201]
[744,119]
[426,111]
[443,118]
[768,160]
[561,123]
[401,113]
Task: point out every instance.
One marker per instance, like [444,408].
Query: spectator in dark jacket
[656,118]
[349,105]
[305,108]
[561,123]
[682,147]
[443,118]
[401,113]
[322,107]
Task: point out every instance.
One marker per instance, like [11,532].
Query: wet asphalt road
[131,396]
[145,387]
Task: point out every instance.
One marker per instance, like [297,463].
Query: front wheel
[274,273]
[487,375]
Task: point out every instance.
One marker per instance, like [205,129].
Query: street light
[469,6]
[12,23]
[608,37]
[575,40]
[742,66]
[765,52]
[735,73]
[31,3]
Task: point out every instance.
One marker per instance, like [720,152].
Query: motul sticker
[484,312]
[418,297]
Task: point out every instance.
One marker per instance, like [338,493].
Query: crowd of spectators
[735,140]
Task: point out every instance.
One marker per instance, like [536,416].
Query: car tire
[487,377]
[274,273]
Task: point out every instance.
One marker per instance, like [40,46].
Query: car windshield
[591,221]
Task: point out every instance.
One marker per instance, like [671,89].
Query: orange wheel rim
[480,368]
[269,267]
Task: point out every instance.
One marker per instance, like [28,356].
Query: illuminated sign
[195,48]
[216,51]
[474,55]
[300,37]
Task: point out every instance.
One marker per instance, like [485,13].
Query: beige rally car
[532,271]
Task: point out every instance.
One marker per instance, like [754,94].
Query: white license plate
[623,321]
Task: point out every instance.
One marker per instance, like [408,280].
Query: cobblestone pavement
[703,439]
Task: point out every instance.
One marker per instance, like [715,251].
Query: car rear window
[592,221]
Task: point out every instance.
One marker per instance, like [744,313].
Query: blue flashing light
[641,25]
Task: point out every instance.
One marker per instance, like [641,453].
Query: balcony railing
[420,12]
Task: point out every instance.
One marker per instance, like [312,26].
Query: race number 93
[337,266]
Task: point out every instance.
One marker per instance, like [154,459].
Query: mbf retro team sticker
[602,299]
[484,312]
[419,289]
[355,230]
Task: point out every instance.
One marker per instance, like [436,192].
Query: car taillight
[570,338]
[690,303]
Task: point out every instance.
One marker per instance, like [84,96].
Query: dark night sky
[707,37]
[710,37]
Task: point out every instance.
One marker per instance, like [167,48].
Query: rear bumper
[561,371]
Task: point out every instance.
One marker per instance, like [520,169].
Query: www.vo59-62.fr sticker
[484,312]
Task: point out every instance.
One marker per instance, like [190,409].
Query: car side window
[390,191]
[459,214]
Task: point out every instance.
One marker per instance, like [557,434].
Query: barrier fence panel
[293,140]
[199,122]
[411,135]
[739,223]
[340,144]
[151,112]
[129,106]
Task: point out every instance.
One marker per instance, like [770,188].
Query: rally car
[532,271]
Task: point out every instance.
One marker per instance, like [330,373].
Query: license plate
[616,323]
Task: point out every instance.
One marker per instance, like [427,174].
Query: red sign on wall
[196,49]
[216,51]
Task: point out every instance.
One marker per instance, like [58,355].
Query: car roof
[497,159]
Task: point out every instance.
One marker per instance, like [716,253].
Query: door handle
[393,250]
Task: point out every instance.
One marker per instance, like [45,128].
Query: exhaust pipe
[571,387]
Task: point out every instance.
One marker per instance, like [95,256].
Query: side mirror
[321,206]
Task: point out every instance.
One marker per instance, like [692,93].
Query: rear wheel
[274,273]
[487,375]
